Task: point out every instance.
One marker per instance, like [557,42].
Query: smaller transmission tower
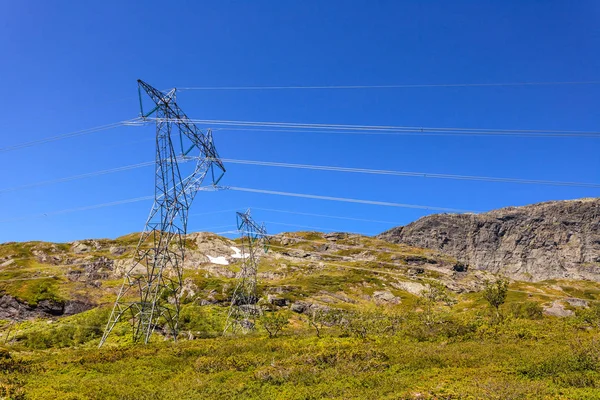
[244,308]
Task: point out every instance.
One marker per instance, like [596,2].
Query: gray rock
[277,301]
[335,236]
[72,307]
[15,310]
[79,248]
[299,307]
[578,302]
[385,296]
[557,309]
[553,240]
[116,250]
[93,270]
[282,289]
[410,287]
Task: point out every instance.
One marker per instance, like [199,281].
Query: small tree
[273,323]
[317,318]
[434,296]
[495,294]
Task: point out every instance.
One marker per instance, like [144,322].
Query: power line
[411,174]
[414,133]
[389,129]
[91,207]
[323,215]
[215,212]
[311,227]
[69,210]
[81,176]
[348,200]
[250,190]
[320,168]
[131,122]
[401,86]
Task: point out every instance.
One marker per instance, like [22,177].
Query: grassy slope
[299,365]
[462,355]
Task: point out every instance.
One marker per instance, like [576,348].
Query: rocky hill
[39,279]
[301,271]
[552,240]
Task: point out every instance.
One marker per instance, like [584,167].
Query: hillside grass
[517,359]
[409,349]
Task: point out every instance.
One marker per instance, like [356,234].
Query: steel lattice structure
[152,286]
[244,301]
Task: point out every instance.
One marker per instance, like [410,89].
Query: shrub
[495,294]
[589,316]
[77,330]
[577,367]
[273,322]
[527,310]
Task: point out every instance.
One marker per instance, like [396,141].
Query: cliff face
[553,240]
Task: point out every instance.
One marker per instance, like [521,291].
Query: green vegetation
[366,353]
[364,333]
[495,294]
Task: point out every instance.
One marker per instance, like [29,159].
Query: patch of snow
[218,260]
[237,254]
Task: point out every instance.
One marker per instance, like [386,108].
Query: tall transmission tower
[244,308]
[151,289]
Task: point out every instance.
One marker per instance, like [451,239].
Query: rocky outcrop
[553,240]
[92,271]
[13,309]
[557,309]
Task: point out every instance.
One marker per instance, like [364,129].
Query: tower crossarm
[201,140]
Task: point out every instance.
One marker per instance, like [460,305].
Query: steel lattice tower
[152,286]
[244,308]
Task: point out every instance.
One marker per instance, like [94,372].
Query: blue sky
[70,65]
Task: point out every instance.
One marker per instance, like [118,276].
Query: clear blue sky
[70,65]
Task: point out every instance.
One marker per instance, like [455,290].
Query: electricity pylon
[151,288]
[244,308]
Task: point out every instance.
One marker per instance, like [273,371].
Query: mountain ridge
[549,240]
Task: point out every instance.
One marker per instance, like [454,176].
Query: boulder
[557,309]
[385,296]
[299,307]
[277,301]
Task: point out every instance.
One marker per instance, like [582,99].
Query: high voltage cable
[250,190]
[81,176]
[312,227]
[69,210]
[323,215]
[320,168]
[416,133]
[397,129]
[348,200]
[300,166]
[134,121]
[400,86]
[411,174]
